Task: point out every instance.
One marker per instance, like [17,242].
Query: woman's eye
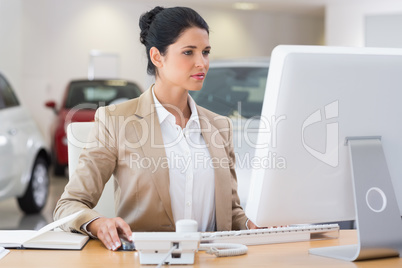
[187,52]
[206,52]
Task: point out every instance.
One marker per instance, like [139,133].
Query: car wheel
[36,195]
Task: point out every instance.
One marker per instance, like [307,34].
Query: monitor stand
[378,220]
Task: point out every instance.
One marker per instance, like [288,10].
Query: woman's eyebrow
[193,47]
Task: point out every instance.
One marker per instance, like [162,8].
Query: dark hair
[161,27]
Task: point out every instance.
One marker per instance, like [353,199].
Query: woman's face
[186,62]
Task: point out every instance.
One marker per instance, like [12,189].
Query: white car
[235,88]
[24,158]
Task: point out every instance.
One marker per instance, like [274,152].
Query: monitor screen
[316,97]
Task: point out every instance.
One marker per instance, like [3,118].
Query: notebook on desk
[48,240]
[44,238]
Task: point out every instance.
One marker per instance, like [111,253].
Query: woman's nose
[202,61]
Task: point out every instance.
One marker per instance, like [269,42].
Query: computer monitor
[331,124]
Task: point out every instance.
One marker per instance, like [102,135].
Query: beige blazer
[130,146]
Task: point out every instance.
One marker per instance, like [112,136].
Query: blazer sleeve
[238,215]
[95,166]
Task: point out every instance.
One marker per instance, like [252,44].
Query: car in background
[79,104]
[235,88]
[24,157]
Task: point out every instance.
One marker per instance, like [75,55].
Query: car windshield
[233,91]
[100,93]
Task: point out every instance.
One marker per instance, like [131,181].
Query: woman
[171,159]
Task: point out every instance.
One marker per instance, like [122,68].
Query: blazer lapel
[148,128]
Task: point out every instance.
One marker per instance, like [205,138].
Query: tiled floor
[12,218]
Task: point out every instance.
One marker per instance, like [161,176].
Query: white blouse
[192,180]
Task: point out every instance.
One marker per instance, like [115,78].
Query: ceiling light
[245,6]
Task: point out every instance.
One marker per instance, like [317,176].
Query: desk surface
[275,255]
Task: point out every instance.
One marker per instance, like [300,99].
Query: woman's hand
[251,225]
[108,229]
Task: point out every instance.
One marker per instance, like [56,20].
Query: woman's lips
[199,76]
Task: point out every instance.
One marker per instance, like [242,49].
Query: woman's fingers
[107,230]
[124,228]
[107,233]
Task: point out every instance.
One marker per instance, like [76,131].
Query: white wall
[344,21]
[11,40]
[251,34]
[49,41]
[383,30]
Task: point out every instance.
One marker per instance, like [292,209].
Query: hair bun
[146,21]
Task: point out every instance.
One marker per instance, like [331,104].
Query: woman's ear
[156,57]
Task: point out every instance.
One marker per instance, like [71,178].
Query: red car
[80,101]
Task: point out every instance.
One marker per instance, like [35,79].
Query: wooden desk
[275,255]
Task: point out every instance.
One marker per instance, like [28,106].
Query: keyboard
[294,233]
